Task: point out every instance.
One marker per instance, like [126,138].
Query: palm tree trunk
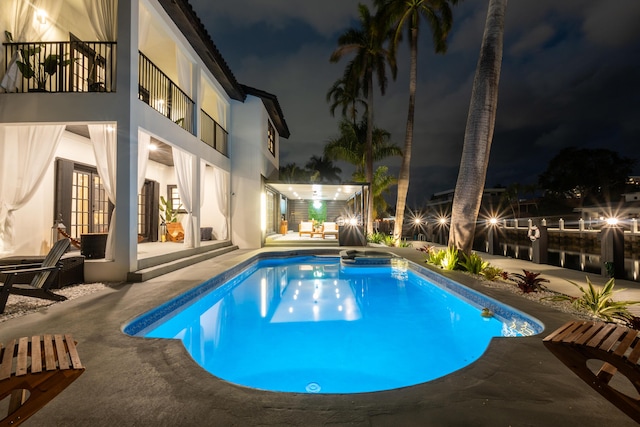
[369,155]
[405,169]
[479,131]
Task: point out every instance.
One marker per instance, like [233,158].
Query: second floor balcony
[72,66]
[81,66]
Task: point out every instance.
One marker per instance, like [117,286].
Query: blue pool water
[310,325]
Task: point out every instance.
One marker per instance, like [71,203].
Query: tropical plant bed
[544,297]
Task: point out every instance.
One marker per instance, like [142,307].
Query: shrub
[404,244]
[376,237]
[528,282]
[492,273]
[444,258]
[388,240]
[599,302]
[473,263]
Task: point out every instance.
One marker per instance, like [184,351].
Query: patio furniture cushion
[305,227]
[329,229]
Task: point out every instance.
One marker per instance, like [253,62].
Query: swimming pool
[311,325]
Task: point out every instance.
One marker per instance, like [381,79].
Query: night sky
[570,77]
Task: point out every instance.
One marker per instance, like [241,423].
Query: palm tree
[293,173]
[350,146]
[382,183]
[370,58]
[479,132]
[323,170]
[346,94]
[408,14]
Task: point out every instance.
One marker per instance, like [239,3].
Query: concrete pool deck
[152,382]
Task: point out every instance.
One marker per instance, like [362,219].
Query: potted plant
[169,217]
[33,66]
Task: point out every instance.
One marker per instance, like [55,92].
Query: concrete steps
[160,264]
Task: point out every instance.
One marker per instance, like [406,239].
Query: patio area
[151,382]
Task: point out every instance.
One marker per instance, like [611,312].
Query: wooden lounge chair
[618,347]
[33,370]
[41,282]
[306,227]
[329,229]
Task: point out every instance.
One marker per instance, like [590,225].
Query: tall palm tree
[479,131]
[346,94]
[408,14]
[350,146]
[323,170]
[370,58]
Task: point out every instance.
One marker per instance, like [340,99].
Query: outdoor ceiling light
[417,220]
[41,17]
[612,221]
[317,204]
[493,220]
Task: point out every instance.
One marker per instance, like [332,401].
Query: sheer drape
[103,18]
[25,154]
[104,140]
[183,163]
[103,15]
[144,141]
[221,192]
[24,28]
[184,72]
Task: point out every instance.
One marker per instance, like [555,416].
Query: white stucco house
[108,107]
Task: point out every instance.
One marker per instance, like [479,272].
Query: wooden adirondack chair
[39,286]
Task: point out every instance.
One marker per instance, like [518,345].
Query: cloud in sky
[569,77]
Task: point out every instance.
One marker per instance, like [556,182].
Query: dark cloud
[569,78]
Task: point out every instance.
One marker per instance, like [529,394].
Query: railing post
[612,251]
[634,226]
[561,224]
[581,224]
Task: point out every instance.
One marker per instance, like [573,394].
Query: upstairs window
[271,138]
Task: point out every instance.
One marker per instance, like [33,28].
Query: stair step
[171,263]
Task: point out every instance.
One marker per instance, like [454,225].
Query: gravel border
[18,305]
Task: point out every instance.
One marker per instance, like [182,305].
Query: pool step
[155,266]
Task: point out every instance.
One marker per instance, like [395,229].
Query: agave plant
[599,302]
[528,282]
[473,263]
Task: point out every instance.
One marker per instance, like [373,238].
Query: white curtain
[24,28]
[222,198]
[144,141]
[184,72]
[104,140]
[222,116]
[203,177]
[25,154]
[144,23]
[103,15]
[183,163]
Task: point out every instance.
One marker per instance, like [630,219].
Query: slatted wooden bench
[618,347]
[33,370]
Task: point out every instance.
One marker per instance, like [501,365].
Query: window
[271,138]
[81,199]
[82,202]
[174,197]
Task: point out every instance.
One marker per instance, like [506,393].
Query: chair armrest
[20,266]
[18,272]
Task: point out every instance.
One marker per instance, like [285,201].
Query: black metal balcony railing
[164,96]
[212,134]
[73,66]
